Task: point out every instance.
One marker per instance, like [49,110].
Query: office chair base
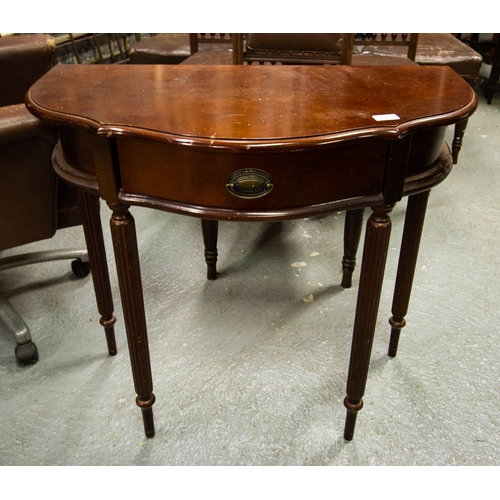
[26,351]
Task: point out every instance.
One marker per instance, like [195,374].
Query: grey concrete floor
[251,369]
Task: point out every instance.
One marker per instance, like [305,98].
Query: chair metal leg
[25,259]
[26,350]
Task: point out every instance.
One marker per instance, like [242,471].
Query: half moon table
[252,143]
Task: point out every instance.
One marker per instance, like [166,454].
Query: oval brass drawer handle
[249,183]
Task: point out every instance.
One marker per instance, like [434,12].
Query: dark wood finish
[170,137]
[193,121]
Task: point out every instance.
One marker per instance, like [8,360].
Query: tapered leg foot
[350,418]
[147,416]
[109,332]
[395,334]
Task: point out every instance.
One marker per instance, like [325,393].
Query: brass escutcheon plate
[249,183]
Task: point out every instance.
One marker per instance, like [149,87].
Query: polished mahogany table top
[248,106]
[253,143]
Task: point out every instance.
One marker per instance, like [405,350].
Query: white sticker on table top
[385,118]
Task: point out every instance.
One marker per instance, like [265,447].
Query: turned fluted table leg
[89,209]
[352,234]
[129,279]
[210,230]
[378,231]
[456,144]
[414,223]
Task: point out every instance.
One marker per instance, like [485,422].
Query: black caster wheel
[80,268]
[26,354]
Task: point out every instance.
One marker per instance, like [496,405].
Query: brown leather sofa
[34,203]
[174,48]
[436,49]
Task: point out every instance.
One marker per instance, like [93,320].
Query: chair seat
[210,57]
[381,60]
[163,48]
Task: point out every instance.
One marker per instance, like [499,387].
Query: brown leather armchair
[34,203]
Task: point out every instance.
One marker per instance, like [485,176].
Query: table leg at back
[412,232]
[89,210]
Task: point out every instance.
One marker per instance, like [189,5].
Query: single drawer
[251,180]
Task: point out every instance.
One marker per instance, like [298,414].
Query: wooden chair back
[210,41]
[293,48]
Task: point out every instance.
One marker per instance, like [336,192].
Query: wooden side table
[251,143]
